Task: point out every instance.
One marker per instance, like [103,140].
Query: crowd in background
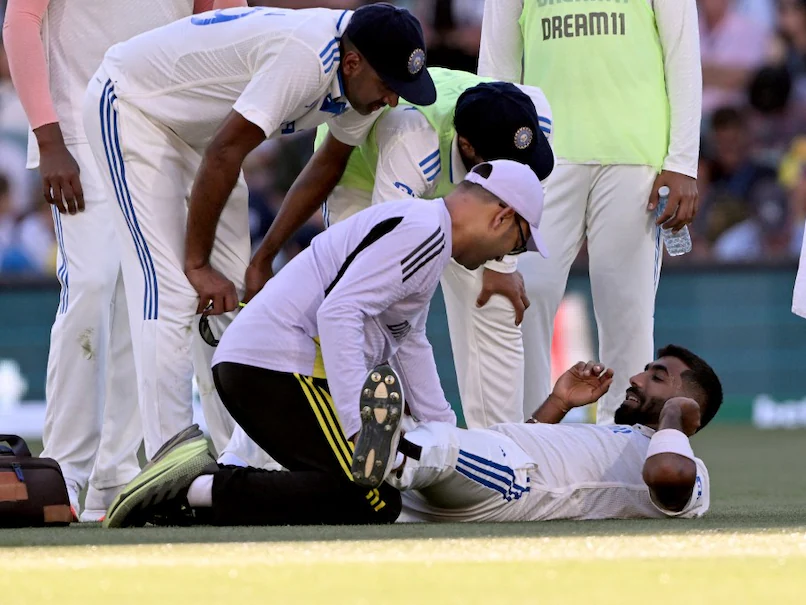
[752,178]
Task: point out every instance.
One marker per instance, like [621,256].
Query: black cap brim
[542,160]
[421,91]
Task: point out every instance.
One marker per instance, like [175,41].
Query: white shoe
[72,494]
[96,503]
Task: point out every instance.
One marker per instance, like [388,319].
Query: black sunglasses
[521,247]
[206,331]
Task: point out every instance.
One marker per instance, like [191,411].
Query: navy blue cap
[392,41]
[501,123]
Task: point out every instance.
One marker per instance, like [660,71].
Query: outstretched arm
[670,471]
[306,195]
[258,113]
[581,385]
[214,182]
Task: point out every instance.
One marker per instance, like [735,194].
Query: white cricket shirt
[587,471]
[363,289]
[278,68]
[569,471]
[76,34]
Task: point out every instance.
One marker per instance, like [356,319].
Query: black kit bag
[32,490]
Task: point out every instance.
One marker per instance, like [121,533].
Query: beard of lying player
[639,408]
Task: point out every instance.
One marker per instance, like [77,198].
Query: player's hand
[683,200]
[682,414]
[256,278]
[61,184]
[583,384]
[509,285]
[212,286]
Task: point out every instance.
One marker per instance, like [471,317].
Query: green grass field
[750,549]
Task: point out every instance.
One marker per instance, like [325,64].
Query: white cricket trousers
[464,475]
[487,346]
[799,294]
[607,206]
[92,425]
[487,349]
[149,171]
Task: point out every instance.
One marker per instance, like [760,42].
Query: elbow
[222,155]
[670,471]
[330,314]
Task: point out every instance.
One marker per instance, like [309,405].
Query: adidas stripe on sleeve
[408,156]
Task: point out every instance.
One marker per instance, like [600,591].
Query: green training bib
[600,64]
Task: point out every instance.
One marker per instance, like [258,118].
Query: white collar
[644,430]
[337,86]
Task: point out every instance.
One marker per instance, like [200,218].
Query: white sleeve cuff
[508,265]
[671,165]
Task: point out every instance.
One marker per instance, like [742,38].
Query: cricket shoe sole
[381,408]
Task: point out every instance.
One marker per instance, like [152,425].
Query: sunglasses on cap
[206,331]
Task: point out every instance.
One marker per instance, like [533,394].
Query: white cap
[518,187]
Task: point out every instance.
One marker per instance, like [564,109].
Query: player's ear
[465,148]
[351,62]
[503,216]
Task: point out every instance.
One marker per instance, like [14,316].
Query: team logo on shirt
[400,331]
[416,61]
[524,137]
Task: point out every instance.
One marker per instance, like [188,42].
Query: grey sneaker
[163,481]
[381,405]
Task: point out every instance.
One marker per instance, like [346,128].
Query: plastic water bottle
[676,243]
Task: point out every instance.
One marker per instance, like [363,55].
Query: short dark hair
[701,376]
[478,191]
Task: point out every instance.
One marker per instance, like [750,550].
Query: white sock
[200,492]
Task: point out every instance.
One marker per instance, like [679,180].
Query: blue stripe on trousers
[61,271]
[485,483]
[511,486]
[114,159]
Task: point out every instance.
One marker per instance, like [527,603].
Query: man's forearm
[669,470]
[212,187]
[306,195]
[552,411]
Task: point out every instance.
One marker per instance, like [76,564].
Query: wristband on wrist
[670,441]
